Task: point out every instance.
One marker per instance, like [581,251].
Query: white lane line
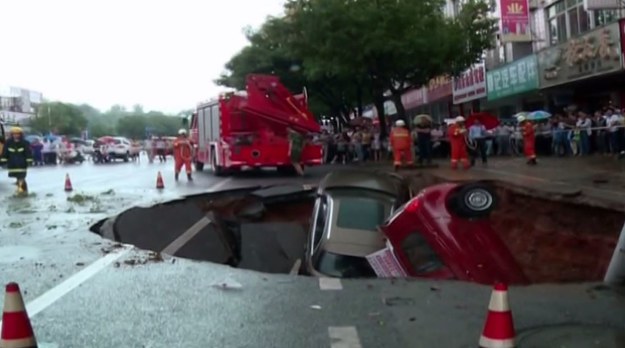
[220,184]
[46,299]
[179,242]
[344,337]
[330,284]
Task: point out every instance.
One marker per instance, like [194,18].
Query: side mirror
[185,122]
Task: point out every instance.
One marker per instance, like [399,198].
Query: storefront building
[585,71]
[513,88]
[439,98]
[414,102]
[469,90]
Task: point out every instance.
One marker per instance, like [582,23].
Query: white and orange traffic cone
[499,327]
[16,329]
[159,181]
[68,184]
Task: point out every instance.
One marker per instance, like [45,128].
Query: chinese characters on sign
[470,85]
[439,88]
[517,77]
[596,53]
[515,21]
[414,98]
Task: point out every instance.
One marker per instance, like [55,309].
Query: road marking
[48,298]
[220,184]
[330,284]
[185,237]
[344,337]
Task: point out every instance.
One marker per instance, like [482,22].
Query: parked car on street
[444,233]
[122,148]
[348,209]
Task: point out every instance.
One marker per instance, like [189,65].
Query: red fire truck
[248,129]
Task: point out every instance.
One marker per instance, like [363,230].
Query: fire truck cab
[249,129]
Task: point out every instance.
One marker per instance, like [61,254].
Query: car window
[359,213]
[320,222]
[342,266]
[420,254]
[117,142]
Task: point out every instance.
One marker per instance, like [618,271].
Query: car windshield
[361,213]
[343,266]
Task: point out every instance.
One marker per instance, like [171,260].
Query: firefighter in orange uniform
[183,154]
[529,140]
[457,140]
[401,144]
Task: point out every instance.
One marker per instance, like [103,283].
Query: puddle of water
[14,253]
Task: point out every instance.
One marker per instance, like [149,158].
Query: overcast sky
[163,54]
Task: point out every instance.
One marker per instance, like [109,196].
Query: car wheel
[217,170]
[473,201]
[127,157]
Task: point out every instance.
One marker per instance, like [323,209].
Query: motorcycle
[72,157]
[101,155]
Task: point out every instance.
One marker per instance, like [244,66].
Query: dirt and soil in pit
[553,241]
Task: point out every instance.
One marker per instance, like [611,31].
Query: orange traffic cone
[68,184]
[159,181]
[499,328]
[16,329]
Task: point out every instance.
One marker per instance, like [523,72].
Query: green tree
[393,45]
[132,126]
[272,51]
[62,118]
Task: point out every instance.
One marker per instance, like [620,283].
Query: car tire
[127,157]
[476,200]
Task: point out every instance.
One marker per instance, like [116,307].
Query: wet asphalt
[85,291]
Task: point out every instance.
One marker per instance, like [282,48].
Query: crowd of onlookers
[564,134]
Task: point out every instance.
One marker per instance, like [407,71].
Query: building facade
[18,105]
[548,55]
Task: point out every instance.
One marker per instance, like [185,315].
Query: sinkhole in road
[554,239]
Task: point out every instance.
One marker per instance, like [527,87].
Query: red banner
[414,98]
[515,21]
[439,88]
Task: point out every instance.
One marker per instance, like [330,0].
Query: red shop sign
[414,98]
[438,88]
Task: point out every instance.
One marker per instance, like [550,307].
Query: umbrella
[521,114]
[106,139]
[539,115]
[488,120]
[417,119]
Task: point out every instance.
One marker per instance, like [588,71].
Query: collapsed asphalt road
[265,230]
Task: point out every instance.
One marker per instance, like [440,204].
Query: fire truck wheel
[287,170]
[199,166]
[217,170]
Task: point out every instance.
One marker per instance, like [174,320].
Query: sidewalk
[595,181]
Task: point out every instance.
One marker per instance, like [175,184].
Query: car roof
[360,179]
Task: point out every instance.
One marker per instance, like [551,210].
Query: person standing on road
[16,155]
[183,154]
[161,147]
[529,140]
[457,140]
[424,140]
[296,147]
[477,134]
[401,144]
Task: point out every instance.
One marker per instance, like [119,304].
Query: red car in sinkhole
[444,233]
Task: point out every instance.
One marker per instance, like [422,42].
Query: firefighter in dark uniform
[16,156]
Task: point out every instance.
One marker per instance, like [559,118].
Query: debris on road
[228,285]
[315,307]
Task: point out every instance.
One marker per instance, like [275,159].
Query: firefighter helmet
[400,123]
[459,119]
[182,132]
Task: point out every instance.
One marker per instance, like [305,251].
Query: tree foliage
[71,120]
[353,51]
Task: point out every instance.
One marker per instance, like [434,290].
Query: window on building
[603,17]
[567,18]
